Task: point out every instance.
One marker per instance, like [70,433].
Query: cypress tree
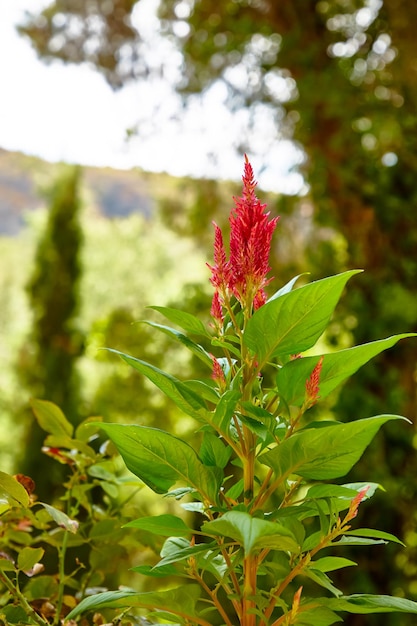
[48,366]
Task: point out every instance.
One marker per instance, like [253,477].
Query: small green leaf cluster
[52,555]
[262,480]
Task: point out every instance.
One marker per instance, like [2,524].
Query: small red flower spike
[312,385]
[216,310]
[218,374]
[250,241]
[354,505]
[251,230]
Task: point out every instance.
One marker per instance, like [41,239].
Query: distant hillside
[112,193]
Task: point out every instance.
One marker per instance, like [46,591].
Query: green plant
[51,555]
[263,479]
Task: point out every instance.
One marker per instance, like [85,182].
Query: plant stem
[250,567]
[213,596]
[15,591]
[260,499]
[232,572]
[61,575]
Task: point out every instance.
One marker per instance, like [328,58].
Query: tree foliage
[47,361]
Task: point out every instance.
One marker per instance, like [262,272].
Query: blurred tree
[340,79]
[47,361]
[98,32]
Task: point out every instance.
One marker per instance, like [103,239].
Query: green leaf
[258,428]
[375,534]
[163,525]
[331,491]
[156,572]
[177,549]
[12,491]
[286,288]
[213,452]
[185,398]
[12,614]
[252,533]
[226,345]
[214,563]
[161,460]
[358,541]
[364,603]
[28,557]
[180,601]
[202,389]
[184,320]
[325,450]
[336,367]
[51,418]
[41,587]
[61,518]
[317,616]
[293,322]
[323,580]
[236,490]
[6,565]
[195,348]
[331,563]
[225,410]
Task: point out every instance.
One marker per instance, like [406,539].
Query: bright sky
[69,113]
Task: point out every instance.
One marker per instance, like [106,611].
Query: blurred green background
[87,250]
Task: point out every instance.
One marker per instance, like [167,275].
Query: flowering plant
[262,476]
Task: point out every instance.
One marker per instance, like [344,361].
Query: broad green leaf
[358,541]
[12,614]
[86,430]
[331,563]
[252,533]
[28,557]
[286,288]
[331,491]
[185,399]
[41,587]
[337,366]
[51,418]
[312,541]
[236,490]
[156,572]
[203,389]
[317,616]
[213,452]
[214,563]
[184,320]
[375,534]
[180,601]
[225,410]
[12,491]
[195,348]
[177,549]
[260,414]
[258,429]
[325,450]
[226,345]
[294,322]
[161,460]
[364,603]
[61,518]
[6,565]
[323,580]
[163,525]
[64,441]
